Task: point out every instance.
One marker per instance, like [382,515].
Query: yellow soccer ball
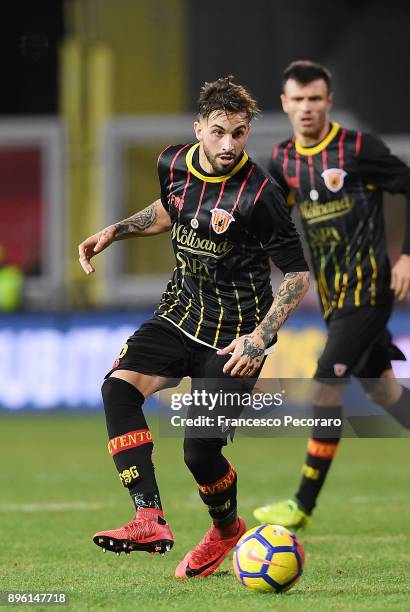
[268,558]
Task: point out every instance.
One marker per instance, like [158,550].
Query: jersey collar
[210,178]
[322,144]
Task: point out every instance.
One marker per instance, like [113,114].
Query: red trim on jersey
[358,142]
[297,170]
[260,190]
[221,192]
[341,149]
[324,159]
[242,187]
[286,159]
[204,184]
[311,171]
[275,152]
[184,192]
[162,153]
[171,168]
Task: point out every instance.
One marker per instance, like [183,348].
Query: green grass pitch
[58,486]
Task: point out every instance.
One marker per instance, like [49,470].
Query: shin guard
[130,441]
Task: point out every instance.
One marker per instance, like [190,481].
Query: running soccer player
[336,178]
[214,322]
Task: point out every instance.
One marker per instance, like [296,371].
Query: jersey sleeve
[275,170]
[272,225]
[163,176]
[379,166]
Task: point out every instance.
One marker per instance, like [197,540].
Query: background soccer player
[336,178]
[214,321]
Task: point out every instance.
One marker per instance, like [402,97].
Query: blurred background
[92,91]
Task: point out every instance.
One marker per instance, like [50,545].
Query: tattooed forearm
[251,351]
[291,291]
[138,223]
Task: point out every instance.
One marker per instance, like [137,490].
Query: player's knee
[383,390]
[112,395]
[122,407]
[108,391]
[121,395]
[383,394]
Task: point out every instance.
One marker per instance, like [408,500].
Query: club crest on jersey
[334,178]
[220,220]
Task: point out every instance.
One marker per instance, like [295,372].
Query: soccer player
[214,321]
[336,178]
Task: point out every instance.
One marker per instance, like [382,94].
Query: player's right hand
[93,245]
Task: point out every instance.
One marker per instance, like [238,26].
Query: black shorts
[358,343]
[159,347]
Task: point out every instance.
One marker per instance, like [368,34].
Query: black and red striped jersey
[337,188]
[224,230]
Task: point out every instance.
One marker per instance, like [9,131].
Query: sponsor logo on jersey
[175,201]
[192,265]
[315,212]
[319,236]
[221,220]
[339,368]
[334,178]
[189,240]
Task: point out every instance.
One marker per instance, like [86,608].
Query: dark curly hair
[226,96]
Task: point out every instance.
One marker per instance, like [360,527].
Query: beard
[217,166]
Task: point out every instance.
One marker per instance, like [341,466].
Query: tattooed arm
[152,220]
[291,291]
[248,350]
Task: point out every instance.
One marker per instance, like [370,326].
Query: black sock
[130,441]
[401,409]
[215,477]
[220,497]
[320,453]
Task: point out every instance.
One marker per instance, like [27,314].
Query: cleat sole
[128,546]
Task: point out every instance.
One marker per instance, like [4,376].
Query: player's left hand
[400,277]
[247,355]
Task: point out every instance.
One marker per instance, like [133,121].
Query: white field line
[53,507]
